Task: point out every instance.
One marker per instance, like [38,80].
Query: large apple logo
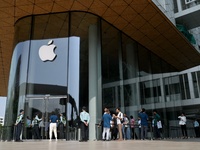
[46,52]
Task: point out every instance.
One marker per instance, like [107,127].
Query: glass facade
[132,76]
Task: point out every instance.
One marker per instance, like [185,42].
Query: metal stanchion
[75,133]
[79,134]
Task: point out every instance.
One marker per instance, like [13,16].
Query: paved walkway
[174,144]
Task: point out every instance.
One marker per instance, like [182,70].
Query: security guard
[19,125]
[28,128]
[35,125]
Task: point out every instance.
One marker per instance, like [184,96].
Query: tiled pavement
[172,144]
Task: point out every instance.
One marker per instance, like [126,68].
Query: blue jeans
[126,133]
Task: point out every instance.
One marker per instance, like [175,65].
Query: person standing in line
[132,122]
[28,128]
[62,124]
[119,119]
[196,128]
[126,128]
[182,123]
[19,125]
[85,119]
[53,125]
[106,110]
[35,125]
[113,128]
[106,118]
[144,123]
[139,127]
[156,119]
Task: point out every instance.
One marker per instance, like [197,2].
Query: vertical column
[95,100]
[132,67]
[162,89]
[179,5]
[191,86]
[131,49]
[121,96]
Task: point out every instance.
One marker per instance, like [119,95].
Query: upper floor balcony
[187,13]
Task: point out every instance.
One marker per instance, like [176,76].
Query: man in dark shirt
[144,123]
[156,130]
[53,125]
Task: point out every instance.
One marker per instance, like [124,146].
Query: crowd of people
[115,126]
[33,127]
[119,126]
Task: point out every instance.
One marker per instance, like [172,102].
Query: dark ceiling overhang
[139,19]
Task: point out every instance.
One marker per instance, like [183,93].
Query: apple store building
[64,61]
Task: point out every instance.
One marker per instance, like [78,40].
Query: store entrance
[43,106]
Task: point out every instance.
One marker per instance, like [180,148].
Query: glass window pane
[195,85]
[144,61]
[130,57]
[50,26]
[110,53]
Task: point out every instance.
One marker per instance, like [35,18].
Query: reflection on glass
[131,95]
[110,53]
[44,107]
[50,26]
[48,72]
[144,61]
[130,58]
[195,85]
[16,87]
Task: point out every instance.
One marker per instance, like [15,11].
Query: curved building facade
[96,54]
[64,61]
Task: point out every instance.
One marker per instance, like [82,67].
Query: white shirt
[126,122]
[182,120]
[85,116]
[139,123]
[120,115]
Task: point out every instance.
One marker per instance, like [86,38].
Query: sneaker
[49,139]
[81,141]
[56,139]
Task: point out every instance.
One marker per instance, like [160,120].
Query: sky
[2,106]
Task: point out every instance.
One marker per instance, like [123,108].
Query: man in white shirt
[85,119]
[182,123]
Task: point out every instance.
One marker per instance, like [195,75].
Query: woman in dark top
[53,125]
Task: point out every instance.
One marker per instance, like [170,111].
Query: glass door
[43,106]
